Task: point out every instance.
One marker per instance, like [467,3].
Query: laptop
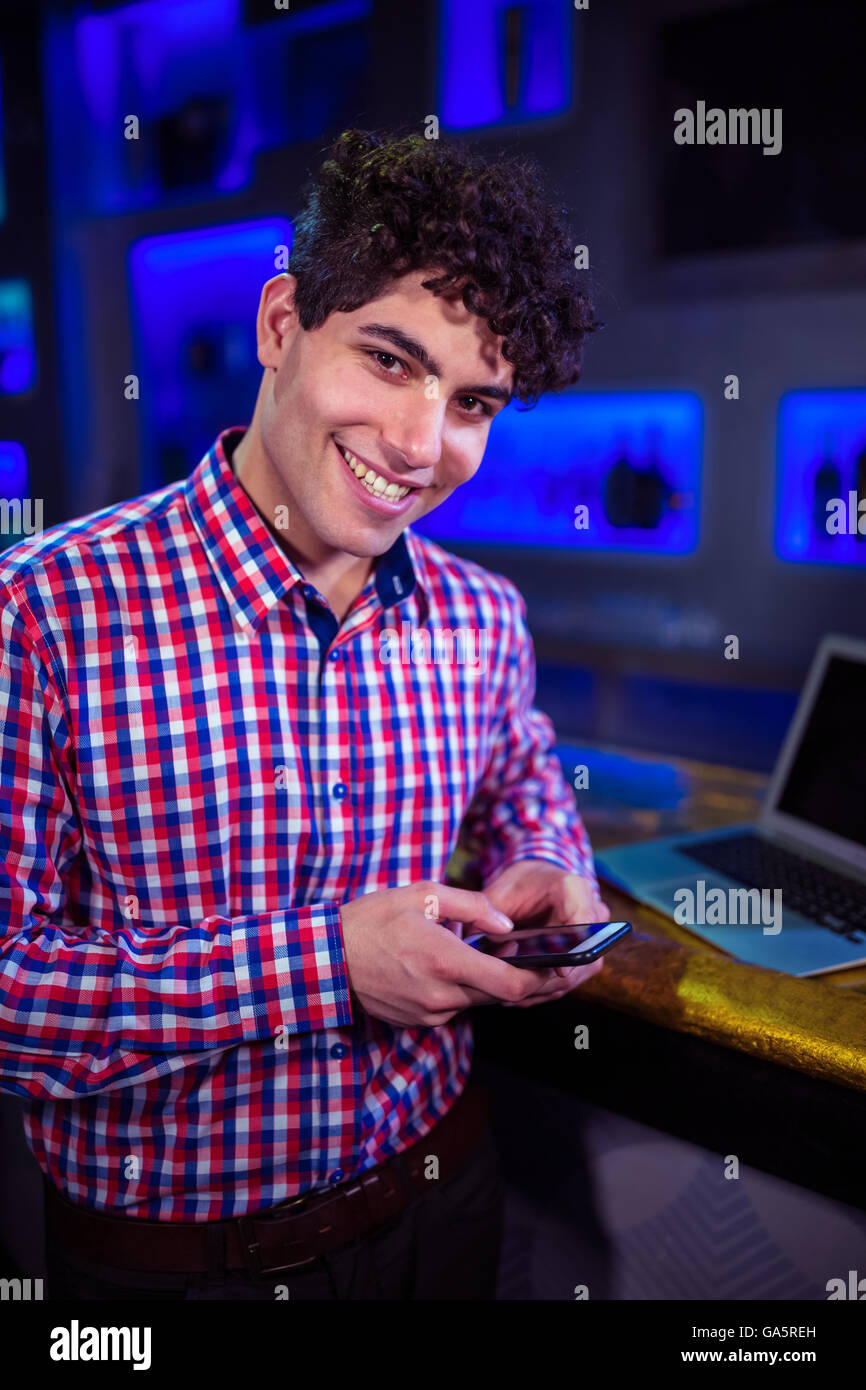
[789,891]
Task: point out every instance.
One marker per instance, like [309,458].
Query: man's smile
[390,496]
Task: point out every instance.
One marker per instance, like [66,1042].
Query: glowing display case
[194,297]
[586,471]
[165,100]
[505,64]
[20,515]
[17,341]
[821,477]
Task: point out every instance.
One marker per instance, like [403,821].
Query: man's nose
[415,432]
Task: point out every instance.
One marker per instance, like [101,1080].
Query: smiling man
[234,978]
[367,421]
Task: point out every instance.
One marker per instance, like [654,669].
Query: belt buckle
[252,1247]
[252,1252]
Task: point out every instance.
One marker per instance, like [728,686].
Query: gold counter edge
[797,1023]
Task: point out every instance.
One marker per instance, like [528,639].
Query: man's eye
[390,359]
[469,402]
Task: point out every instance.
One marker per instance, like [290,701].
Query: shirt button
[337,1176]
[339,790]
[339,1050]
[334,656]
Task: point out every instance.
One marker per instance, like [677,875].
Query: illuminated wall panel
[194,299]
[821,477]
[17,342]
[207,91]
[586,471]
[17,521]
[504,64]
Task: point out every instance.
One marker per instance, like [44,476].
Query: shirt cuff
[290,971]
[546,848]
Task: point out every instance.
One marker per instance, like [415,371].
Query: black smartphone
[534,949]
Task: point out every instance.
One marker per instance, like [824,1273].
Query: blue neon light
[473,77]
[14,470]
[152,59]
[194,297]
[821,458]
[614,454]
[17,341]
[621,780]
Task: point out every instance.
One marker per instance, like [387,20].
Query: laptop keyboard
[831,900]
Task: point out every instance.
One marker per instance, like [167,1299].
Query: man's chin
[367,542]
[374,546]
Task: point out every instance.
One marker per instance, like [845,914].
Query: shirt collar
[252,569]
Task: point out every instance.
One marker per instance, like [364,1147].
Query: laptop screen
[826,785]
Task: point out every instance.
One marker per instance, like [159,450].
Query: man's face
[401,392]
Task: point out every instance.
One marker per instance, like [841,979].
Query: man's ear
[277,321]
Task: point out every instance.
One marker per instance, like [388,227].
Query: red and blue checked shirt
[200,764]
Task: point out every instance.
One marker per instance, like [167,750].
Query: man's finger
[471,908]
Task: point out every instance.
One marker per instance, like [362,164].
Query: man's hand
[408,969]
[537,894]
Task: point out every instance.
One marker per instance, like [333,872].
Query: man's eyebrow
[496,393]
[410,346]
[413,348]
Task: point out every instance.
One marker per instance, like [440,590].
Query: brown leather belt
[277,1238]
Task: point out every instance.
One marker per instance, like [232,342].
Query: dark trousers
[444,1245]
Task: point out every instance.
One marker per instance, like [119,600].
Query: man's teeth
[372,481]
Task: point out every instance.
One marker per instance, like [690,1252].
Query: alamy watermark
[21,1290]
[732,907]
[846,519]
[737,126]
[77,1343]
[436,646]
[17,516]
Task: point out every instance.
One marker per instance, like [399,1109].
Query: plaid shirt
[200,764]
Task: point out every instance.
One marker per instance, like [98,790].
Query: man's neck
[338,577]
[340,586]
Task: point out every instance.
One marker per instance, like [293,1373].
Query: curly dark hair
[381,206]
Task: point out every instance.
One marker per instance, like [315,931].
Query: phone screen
[556,943]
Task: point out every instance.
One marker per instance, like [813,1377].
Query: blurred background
[152,156]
